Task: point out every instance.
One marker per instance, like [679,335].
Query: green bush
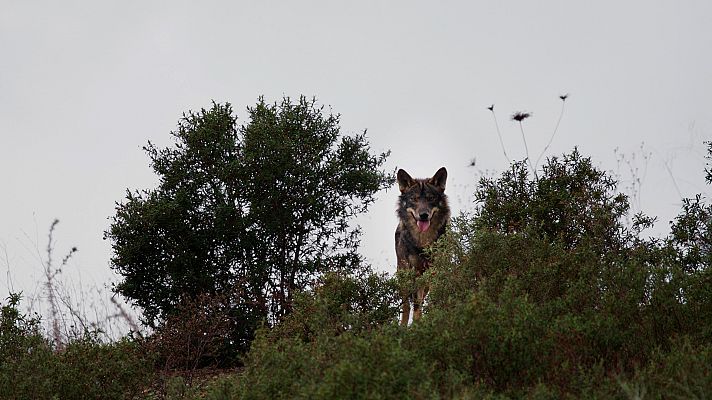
[545,280]
[341,303]
[334,345]
[24,354]
[375,364]
[90,369]
[84,368]
[682,372]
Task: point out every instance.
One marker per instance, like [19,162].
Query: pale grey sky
[83,85]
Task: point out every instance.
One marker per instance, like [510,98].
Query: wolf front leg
[418,302]
[405,316]
[406,310]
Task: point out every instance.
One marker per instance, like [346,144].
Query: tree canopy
[258,210]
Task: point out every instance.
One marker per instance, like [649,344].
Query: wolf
[423,214]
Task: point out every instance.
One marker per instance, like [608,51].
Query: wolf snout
[424,216]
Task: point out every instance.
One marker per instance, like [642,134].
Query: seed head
[520,115]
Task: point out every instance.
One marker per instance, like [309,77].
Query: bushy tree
[258,211]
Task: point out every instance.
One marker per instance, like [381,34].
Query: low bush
[84,368]
[195,335]
[340,303]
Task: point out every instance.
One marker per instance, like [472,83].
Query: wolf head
[422,199]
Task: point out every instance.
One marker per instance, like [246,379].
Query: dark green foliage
[573,203]
[90,369]
[682,372]
[18,331]
[345,366]
[544,292]
[549,281]
[255,212]
[23,351]
[180,238]
[85,368]
[339,304]
[333,346]
[302,183]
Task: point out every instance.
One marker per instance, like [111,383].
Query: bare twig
[556,128]
[499,134]
[49,287]
[125,315]
[67,309]
[672,177]
[10,286]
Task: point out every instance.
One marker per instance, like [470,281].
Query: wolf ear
[404,180]
[439,179]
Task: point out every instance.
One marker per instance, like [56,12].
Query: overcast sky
[84,85]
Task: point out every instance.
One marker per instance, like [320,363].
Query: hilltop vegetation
[543,290]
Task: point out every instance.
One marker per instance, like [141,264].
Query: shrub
[85,368]
[88,368]
[334,345]
[544,280]
[341,303]
[372,365]
[24,353]
[196,335]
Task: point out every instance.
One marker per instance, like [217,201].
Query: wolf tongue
[423,225]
